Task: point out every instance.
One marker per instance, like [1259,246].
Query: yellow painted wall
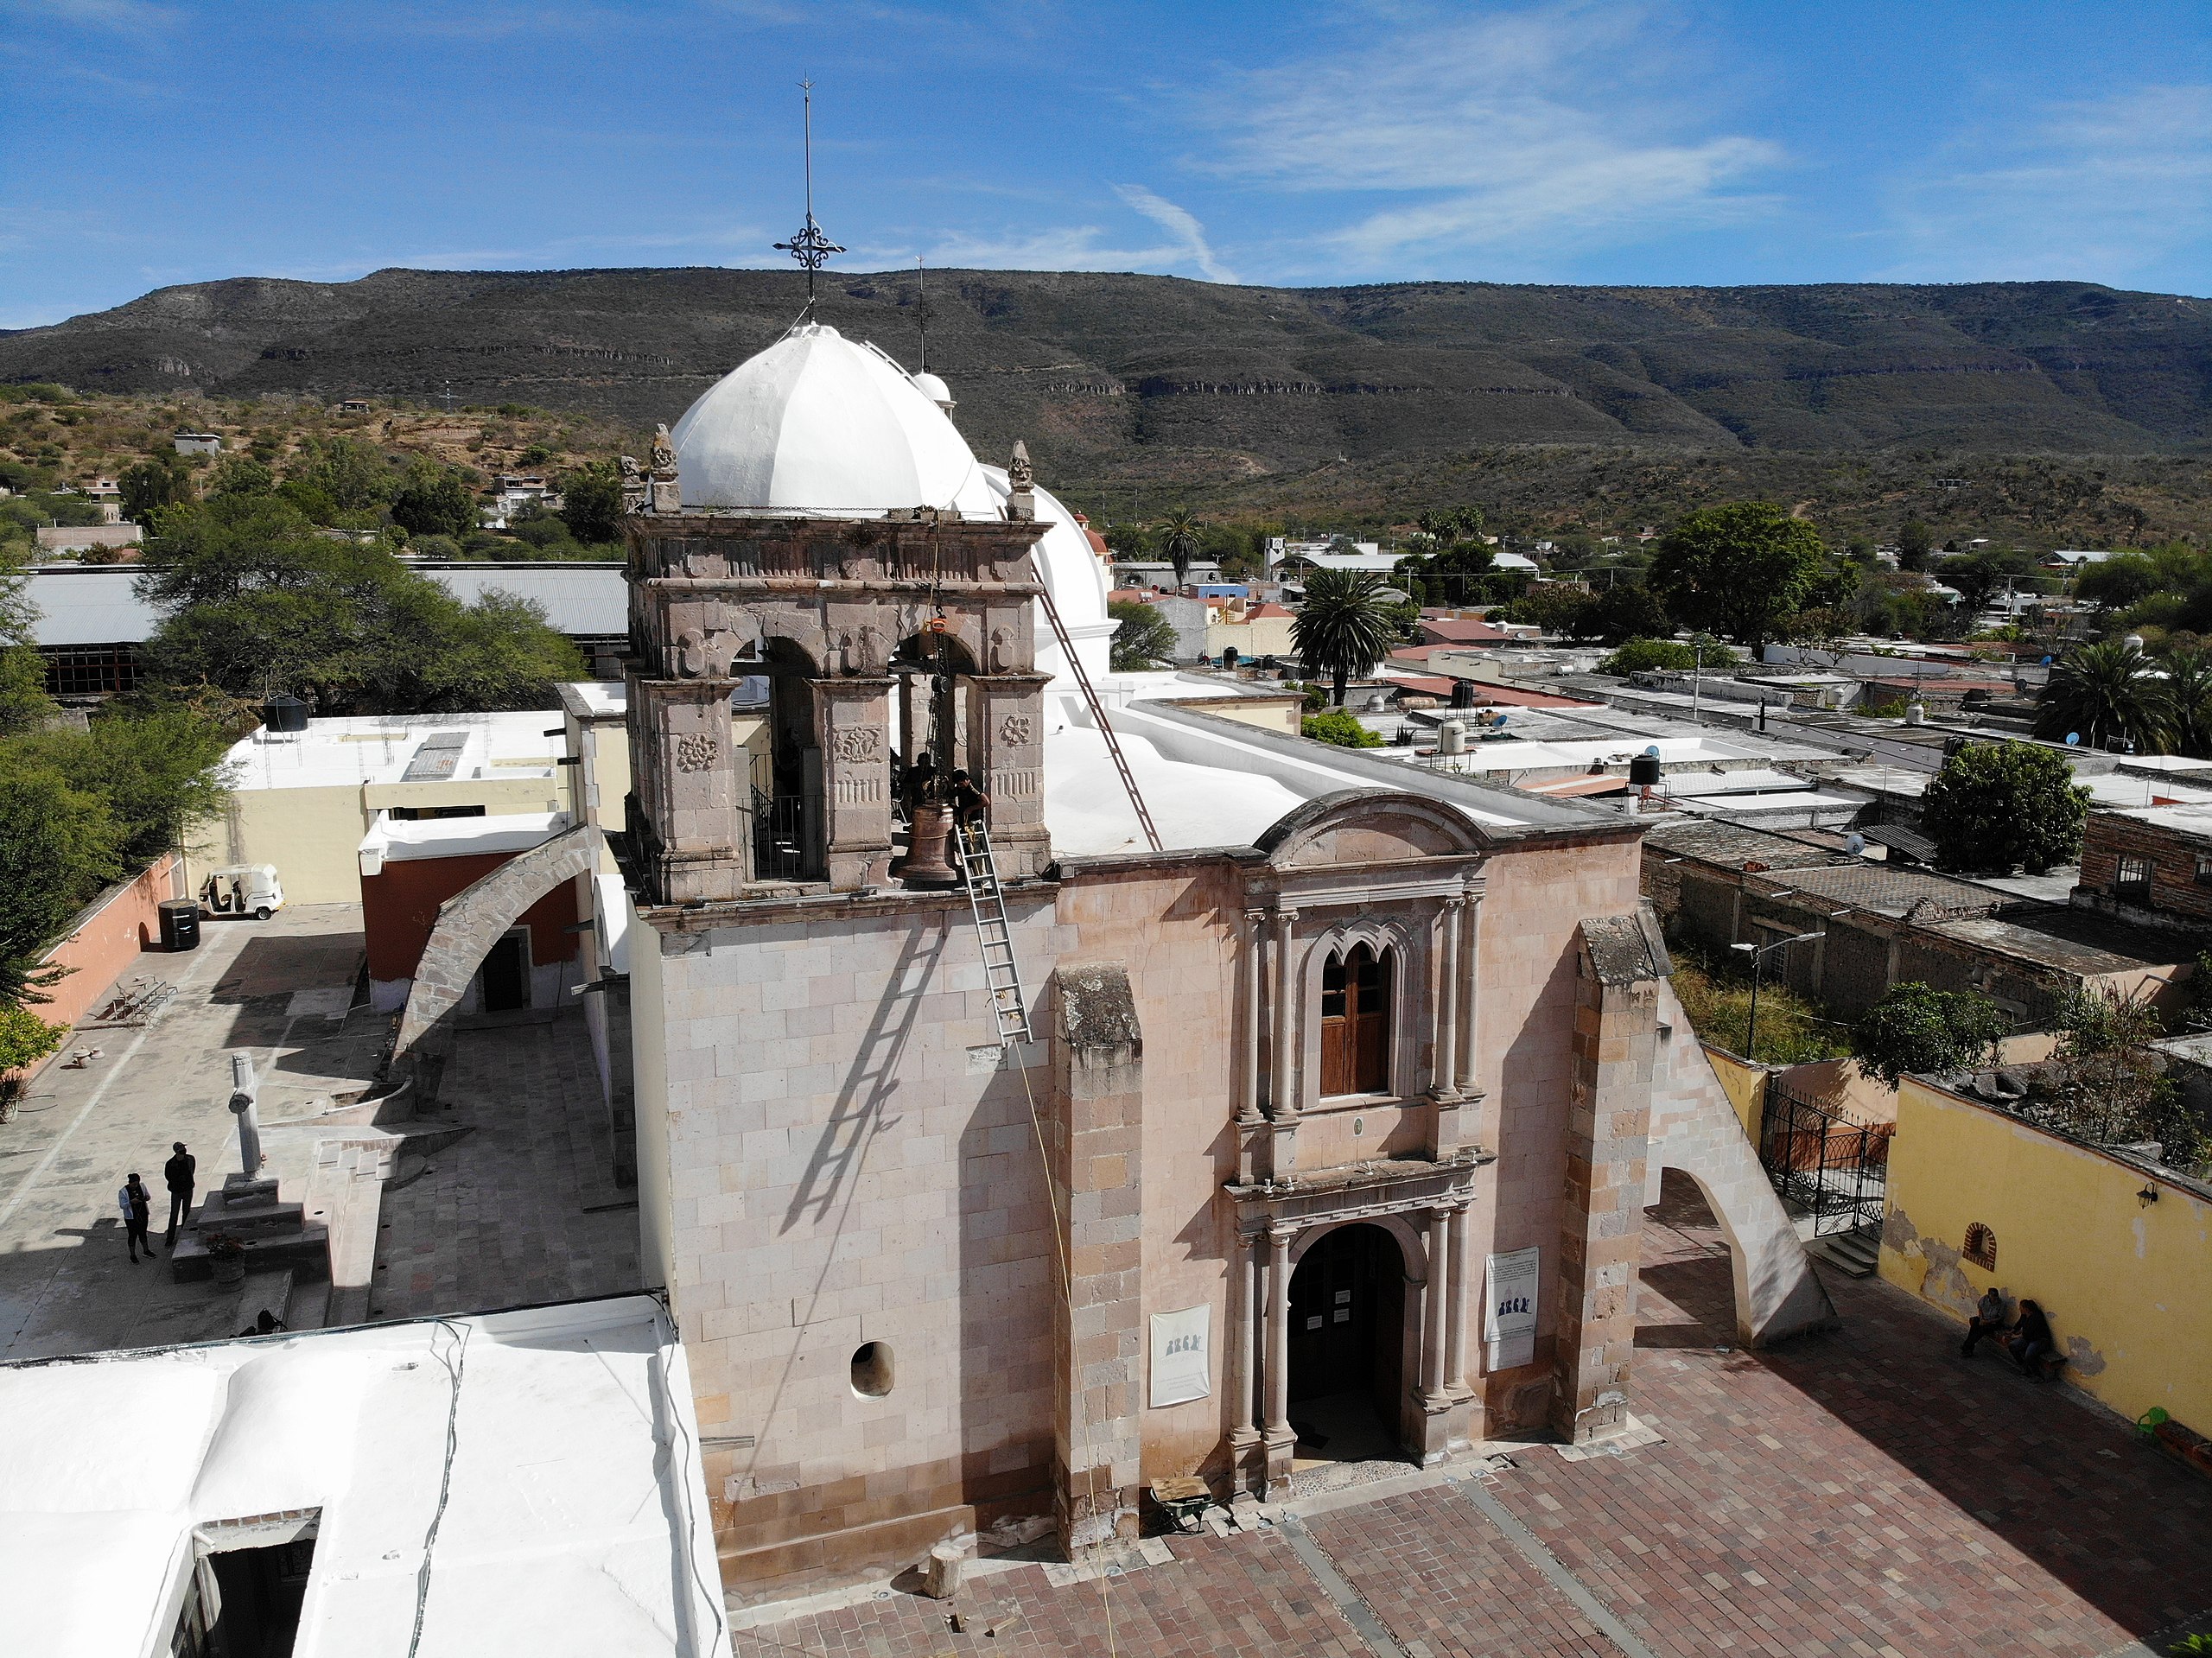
[1269,636]
[1745,1084]
[1276,713]
[314,835]
[2126,1285]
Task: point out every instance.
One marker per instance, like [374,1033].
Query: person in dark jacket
[2031,1339]
[137,1206]
[969,804]
[178,1174]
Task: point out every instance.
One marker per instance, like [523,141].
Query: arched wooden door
[1356,1023]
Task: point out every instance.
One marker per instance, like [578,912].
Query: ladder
[986,902]
[1099,715]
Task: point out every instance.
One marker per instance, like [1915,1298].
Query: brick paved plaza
[1863,1492]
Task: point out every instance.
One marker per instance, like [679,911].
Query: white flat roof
[386,748]
[576,1519]
[401,841]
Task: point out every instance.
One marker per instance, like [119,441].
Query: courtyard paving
[499,1200]
[1863,1492]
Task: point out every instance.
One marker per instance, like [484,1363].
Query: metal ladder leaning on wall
[986,902]
[1099,715]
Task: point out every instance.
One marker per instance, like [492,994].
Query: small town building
[198,443]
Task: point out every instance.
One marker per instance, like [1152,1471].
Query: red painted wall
[400,906]
[105,944]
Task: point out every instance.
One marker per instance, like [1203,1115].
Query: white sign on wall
[1510,1323]
[1182,1347]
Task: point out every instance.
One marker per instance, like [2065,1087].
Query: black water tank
[1644,771]
[284,714]
[180,923]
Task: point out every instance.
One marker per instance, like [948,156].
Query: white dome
[1071,573]
[818,425]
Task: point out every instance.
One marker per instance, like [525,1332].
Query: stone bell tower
[835,612]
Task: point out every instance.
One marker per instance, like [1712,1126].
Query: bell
[926,864]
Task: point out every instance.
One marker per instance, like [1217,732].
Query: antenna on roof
[810,246]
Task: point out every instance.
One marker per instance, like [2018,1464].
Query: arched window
[1981,1247]
[1356,1023]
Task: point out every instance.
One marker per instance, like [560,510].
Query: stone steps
[1858,1253]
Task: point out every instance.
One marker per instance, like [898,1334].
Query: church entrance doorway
[1347,1329]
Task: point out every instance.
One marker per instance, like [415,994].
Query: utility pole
[1758,954]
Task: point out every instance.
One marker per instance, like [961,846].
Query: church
[1165,1097]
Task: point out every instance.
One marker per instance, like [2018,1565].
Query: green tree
[2118,583]
[1336,725]
[159,772]
[2108,693]
[25,705]
[434,500]
[1915,1028]
[1343,629]
[154,483]
[2188,696]
[2005,806]
[240,474]
[1181,539]
[58,846]
[1623,611]
[350,471]
[591,503]
[1646,655]
[1914,544]
[1142,638]
[1739,570]
[255,600]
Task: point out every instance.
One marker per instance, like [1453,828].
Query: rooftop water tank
[284,714]
[1451,737]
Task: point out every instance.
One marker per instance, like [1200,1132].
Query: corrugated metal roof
[89,607]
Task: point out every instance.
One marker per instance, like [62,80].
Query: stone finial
[1021,502]
[666,497]
[634,483]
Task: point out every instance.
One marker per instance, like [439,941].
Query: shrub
[2004,806]
[1335,726]
[1917,1028]
[1644,656]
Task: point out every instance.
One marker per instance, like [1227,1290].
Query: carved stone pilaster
[852,719]
[1005,752]
[696,827]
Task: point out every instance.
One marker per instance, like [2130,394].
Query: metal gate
[1824,1162]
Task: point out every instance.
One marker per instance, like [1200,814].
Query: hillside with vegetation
[2053,412]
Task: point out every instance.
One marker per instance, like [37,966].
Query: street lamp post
[1758,953]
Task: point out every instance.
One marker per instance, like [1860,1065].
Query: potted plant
[226,1257]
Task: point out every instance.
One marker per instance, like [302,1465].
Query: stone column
[1248,1107]
[1609,1122]
[1005,754]
[1092,1143]
[851,729]
[699,825]
[1280,1438]
[1455,1321]
[1246,1364]
[1283,1087]
[1433,1315]
[1470,936]
[1443,1080]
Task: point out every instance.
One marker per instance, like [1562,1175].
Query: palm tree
[1180,540]
[2109,692]
[2189,700]
[1343,627]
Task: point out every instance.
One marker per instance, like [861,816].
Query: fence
[1824,1162]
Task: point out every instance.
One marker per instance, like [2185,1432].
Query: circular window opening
[872,1369]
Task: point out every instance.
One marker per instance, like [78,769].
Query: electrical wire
[454,1362]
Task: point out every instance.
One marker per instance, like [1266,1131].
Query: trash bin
[181,924]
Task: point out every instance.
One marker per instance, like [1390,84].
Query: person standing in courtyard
[137,1206]
[178,1174]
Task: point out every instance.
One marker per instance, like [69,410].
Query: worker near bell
[969,804]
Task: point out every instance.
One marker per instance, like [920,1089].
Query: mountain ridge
[1113,377]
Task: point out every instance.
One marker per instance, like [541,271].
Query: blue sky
[150,142]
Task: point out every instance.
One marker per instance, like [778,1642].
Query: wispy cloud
[2098,190]
[1179,223]
[1531,132]
[129,16]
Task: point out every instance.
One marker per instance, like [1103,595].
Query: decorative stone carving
[1022,500]
[855,745]
[1015,728]
[1002,652]
[695,751]
[691,653]
[663,455]
[868,651]
[634,483]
